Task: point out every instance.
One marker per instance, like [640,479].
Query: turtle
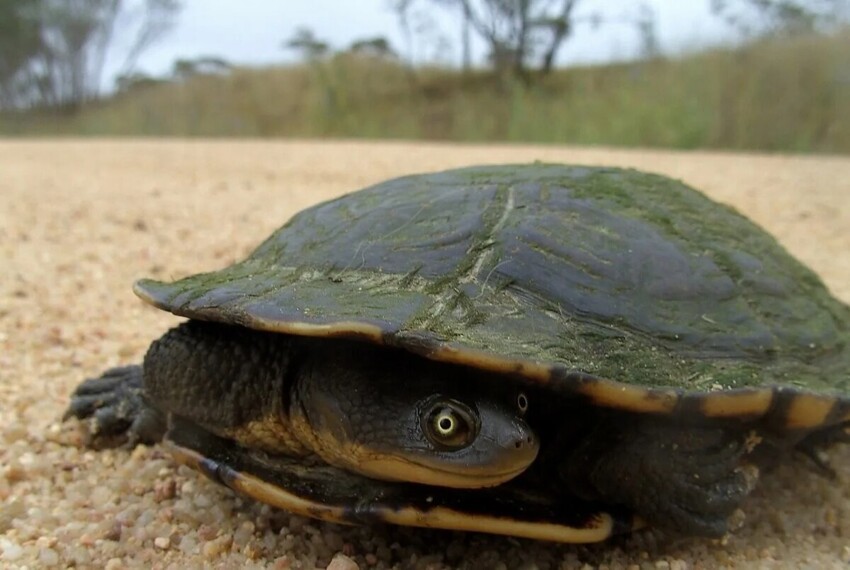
[547,351]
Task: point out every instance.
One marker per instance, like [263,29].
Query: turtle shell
[629,288]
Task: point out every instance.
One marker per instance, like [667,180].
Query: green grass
[792,95]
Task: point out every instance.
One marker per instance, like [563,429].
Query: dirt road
[80,220]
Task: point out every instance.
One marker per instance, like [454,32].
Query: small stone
[164,490]
[9,550]
[207,532]
[736,520]
[188,544]
[14,473]
[77,555]
[114,532]
[48,557]
[202,501]
[253,550]
[342,562]
[244,533]
[9,512]
[215,548]
[114,564]
[101,496]
[335,542]
[162,542]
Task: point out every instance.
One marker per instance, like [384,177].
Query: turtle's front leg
[115,404]
[682,479]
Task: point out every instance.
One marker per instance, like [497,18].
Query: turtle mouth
[409,470]
[489,461]
[381,467]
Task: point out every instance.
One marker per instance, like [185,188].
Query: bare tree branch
[524,35]
[63,64]
[157,20]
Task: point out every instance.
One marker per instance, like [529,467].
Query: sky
[252,32]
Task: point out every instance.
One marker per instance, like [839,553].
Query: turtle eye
[522,403]
[449,424]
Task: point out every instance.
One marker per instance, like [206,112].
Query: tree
[155,19]
[755,18]
[422,36]
[378,47]
[303,40]
[183,69]
[63,45]
[518,31]
[523,35]
[20,38]
[650,47]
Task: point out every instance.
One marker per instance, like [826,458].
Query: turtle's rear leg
[686,480]
[117,410]
[814,447]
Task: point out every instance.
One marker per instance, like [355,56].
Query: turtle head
[394,416]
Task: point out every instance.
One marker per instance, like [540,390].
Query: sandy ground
[79,221]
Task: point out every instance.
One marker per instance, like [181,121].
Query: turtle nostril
[522,442]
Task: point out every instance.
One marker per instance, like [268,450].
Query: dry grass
[791,95]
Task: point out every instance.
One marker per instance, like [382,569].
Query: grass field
[791,95]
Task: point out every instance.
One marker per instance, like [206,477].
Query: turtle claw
[116,410]
[96,393]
